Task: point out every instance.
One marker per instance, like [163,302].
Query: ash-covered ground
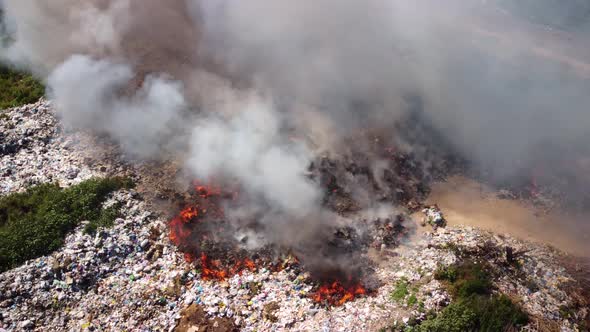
[132,277]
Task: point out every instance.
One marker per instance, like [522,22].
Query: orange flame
[337,294]
[179,231]
[206,191]
[184,235]
[212,269]
[189,213]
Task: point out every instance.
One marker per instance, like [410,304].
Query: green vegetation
[476,313]
[474,306]
[457,317]
[105,219]
[18,88]
[494,313]
[448,273]
[401,291]
[466,279]
[35,222]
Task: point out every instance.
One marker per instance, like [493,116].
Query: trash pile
[132,277]
[530,273]
[110,281]
[34,150]
[433,217]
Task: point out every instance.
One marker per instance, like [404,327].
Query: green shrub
[35,222]
[497,312]
[412,300]
[465,279]
[483,313]
[457,317]
[18,88]
[474,307]
[401,291]
[105,219]
[448,273]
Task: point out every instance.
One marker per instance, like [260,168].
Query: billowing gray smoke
[87,94]
[132,70]
[509,104]
[229,82]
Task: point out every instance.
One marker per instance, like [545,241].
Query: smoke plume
[253,90]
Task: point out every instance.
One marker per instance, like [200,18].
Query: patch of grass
[566,312]
[466,279]
[18,88]
[474,308]
[477,313]
[412,300]
[457,317]
[105,219]
[448,273]
[496,312]
[401,291]
[421,306]
[35,222]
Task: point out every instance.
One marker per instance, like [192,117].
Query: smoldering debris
[237,94]
[364,216]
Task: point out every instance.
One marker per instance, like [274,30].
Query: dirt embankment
[467,202]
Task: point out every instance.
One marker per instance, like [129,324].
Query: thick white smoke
[332,55]
[46,34]
[87,94]
[507,94]
[142,71]
[251,147]
[136,95]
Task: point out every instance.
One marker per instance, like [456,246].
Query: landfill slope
[131,277]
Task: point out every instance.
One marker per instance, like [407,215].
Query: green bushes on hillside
[18,88]
[474,307]
[35,222]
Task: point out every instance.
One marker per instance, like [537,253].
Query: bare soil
[194,319]
[470,203]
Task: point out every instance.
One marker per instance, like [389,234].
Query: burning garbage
[192,231]
[134,275]
[210,235]
[219,259]
[338,269]
[332,136]
[336,293]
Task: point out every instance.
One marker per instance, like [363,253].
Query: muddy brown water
[467,202]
